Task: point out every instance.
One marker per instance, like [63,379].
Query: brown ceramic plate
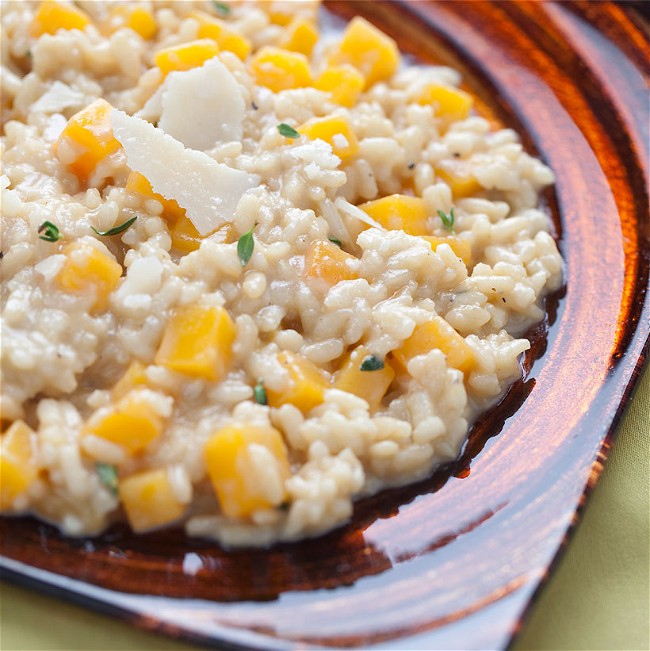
[452,562]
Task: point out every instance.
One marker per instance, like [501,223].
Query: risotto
[251,271]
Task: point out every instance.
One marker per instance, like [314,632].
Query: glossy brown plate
[454,561]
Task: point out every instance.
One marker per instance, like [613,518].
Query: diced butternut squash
[450,103]
[149,500]
[369,385]
[399,212]
[300,36]
[132,423]
[186,56]
[18,467]
[218,31]
[186,238]
[88,139]
[198,342]
[336,131]
[368,49]
[280,69]
[89,269]
[248,466]
[172,212]
[139,19]
[344,83]
[462,248]
[306,384]
[329,262]
[279,17]
[135,376]
[437,333]
[456,176]
[51,16]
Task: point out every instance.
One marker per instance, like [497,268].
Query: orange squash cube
[300,36]
[90,136]
[456,176]
[135,376]
[18,467]
[52,16]
[138,19]
[437,333]
[89,269]
[149,500]
[344,83]
[186,238]
[369,385]
[131,423]
[280,69]
[336,131]
[399,212]
[374,54]
[198,342]
[172,212]
[186,56]
[450,103]
[329,262]
[462,248]
[306,386]
[227,39]
[241,461]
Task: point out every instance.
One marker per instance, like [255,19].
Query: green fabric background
[599,597]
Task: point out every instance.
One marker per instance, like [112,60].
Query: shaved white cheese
[353,211]
[153,107]
[209,191]
[203,106]
[57,97]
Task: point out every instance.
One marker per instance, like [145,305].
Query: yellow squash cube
[300,36]
[186,238]
[51,16]
[344,83]
[327,261]
[336,131]
[437,333]
[131,423]
[149,500]
[369,385]
[198,342]
[399,212]
[462,248]
[172,212]
[139,19]
[280,69]
[218,31]
[186,56]
[306,386]
[450,103]
[134,377]
[18,467]
[233,456]
[456,176]
[89,269]
[368,49]
[89,135]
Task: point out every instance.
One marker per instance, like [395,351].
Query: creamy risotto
[251,271]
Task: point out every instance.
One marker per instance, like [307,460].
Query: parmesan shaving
[353,211]
[209,191]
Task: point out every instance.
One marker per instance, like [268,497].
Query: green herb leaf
[116,230]
[108,476]
[259,392]
[448,220]
[50,232]
[371,363]
[336,241]
[245,246]
[221,8]
[287,131]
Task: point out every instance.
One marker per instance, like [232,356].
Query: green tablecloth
[599,597]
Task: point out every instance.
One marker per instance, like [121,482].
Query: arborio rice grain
[249,274]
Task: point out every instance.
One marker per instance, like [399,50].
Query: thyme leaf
[116,230]
[259,393]
[287,131]
[448,220]
[245,246]
[108,476]
[372,363]
[50,232]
